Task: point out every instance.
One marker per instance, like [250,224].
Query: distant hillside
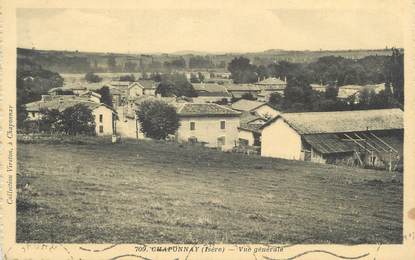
[82,62]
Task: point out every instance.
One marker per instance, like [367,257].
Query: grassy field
[151,192]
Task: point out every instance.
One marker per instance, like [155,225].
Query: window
[101,129]
[222,124]
[192,126]
[100,118]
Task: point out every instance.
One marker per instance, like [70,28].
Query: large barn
[371,138]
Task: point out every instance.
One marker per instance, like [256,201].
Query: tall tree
[105,96]
[157,119]
[78,119]
[395,74]
[242,71]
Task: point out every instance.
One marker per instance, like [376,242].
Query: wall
[246,135]
[150,92]
[107,120]
[279,140]
[317,157]
[267,110]
[135,91]
[207,129]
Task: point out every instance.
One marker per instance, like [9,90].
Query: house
[271,85]
[249,129]
[238,90]
[364,137]
[353,92]
[121,86]
[105,116]
[92,96]
[210,92]
[143,87]
[260,108]
[318,87]
[208,123]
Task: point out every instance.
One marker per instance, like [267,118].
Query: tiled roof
[248,117]
[62,104]
[242,87]
[271,81]
[343,121]
[205,109]
[117,83]
[147,84]
[208,87]
[256,128]
[246,105]
[213,94]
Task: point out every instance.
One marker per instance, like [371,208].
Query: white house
[260,108]
[142,87]
[271,85]
[105,116]
[209,123]
[366,137]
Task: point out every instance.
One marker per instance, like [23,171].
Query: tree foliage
[395,74]
[78,119]
[105,96]
[73,120]
[129,78]
[242,71]
[92,78]
[157,119]
[175,84]
[31,82]
[248,96]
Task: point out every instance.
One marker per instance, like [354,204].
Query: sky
[207,30]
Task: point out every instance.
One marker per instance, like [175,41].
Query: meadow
[157,192]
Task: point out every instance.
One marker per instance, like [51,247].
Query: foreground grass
[149,192]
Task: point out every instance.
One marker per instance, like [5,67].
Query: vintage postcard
[207,129]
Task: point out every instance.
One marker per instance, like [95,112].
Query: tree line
[333,72]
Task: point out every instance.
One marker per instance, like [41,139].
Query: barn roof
[246,105]
[343,121]
[205,109]
[328,143]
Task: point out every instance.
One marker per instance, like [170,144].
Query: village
[209,127]
[220,117]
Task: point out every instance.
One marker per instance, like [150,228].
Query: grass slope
[150,192]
